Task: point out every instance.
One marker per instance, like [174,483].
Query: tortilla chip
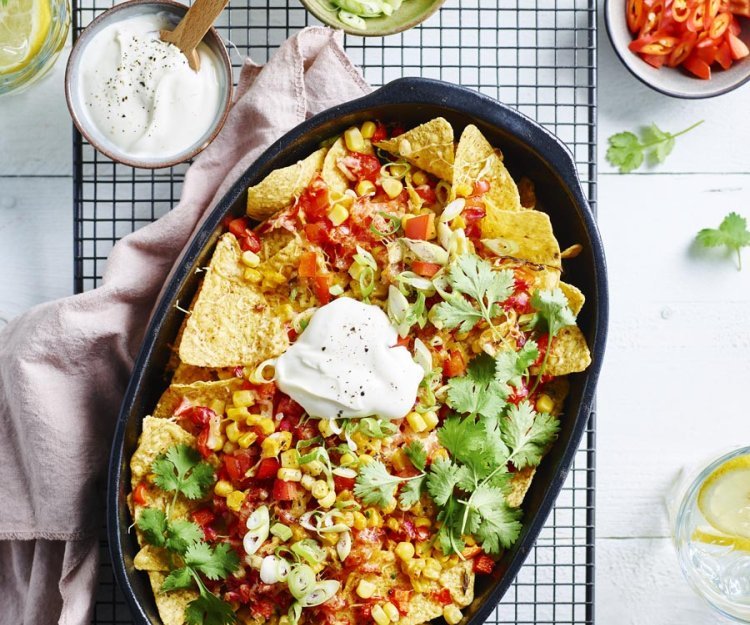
[188,374]
[151,558]
[423,606]
[569,352]
[538,277]
[558,390]
[232,323]
[477,160]
[529,233]
[281,265]
[459,579]
[429,147]
[279,189]
[575,298]
[519,486]
[172,604]
[157,436]
[271,242]
[198,394]
[332,175]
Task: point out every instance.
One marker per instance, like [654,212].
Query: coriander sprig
[732,233]
[180,470]
[628,152]
[552,311]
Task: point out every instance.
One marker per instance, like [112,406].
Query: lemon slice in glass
[710,536]
[724,498]
[24,25]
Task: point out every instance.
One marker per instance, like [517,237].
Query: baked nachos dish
[371,371]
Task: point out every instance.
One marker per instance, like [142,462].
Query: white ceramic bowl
[672,81]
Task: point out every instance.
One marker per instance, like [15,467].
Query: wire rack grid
[536,55]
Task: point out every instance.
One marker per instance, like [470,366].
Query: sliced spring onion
[300,321]
[257,530]
[294,613]
[308,550]
[274,570]
[258,519]
[374,427]
[394,225]
[345,472]
[318,453]
[344,545]
[301,580]
[336,290]
[409,278]
[444,234]
[501,247]
[321,593]
[398,305]
[352,20]
[260,375]
[400,169]
[426,251]
[443,191]
[366,281]
[365,258]
[281,531]
[422,356]
[453,210]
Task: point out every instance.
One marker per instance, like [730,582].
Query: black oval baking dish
[529,150]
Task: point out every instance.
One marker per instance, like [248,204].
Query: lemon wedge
[724,498]
[710,536]
[24,25]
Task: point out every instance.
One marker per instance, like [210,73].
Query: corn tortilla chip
[428,146]
[333,176]
[519,486]
[198,394]
[279,189]
[188,374]
[557,390]
[232,322]
[151,558]
[157,436]
[528,233]
[477,160]
[569,352]
[576,299]
[172,604]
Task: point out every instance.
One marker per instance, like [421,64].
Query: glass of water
[709,513]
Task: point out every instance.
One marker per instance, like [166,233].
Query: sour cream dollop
[139,92]
[347,364]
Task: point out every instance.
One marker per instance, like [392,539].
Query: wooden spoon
[192,28]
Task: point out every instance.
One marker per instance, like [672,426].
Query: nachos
[370,373]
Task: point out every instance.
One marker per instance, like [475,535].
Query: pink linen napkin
[64,365]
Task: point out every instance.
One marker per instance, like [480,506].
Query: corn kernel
[314,467]
[252,419]
[320,489]
[379,615]
[250,259]
[374,518]
[229,447]
[347,518]
[307,482]
[390,506]
[289,475]
[290,459]
[235,499]
[247,439]
[365,459]
[416,422]
[431,419]
[432,569]
[365,589]
[440,454]
[338,215]
[452,614]
[324,427]
[463,190]
[365,187]
[413,567]
[368,129]
[238,414]
[360,520]
[424,549]
[223,488]
[393,524]
[329,538]
[252,275]
[267,426]
[422,521]
[354,139]
[469,540]
[347,460]
[419,178]
[544,403]
[270,448]
[233,432]
[218,406]
[404,551]
[392,187]
[391,611]
[328,500]
[242,399]
[284,620]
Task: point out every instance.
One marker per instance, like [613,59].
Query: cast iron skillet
[529,150]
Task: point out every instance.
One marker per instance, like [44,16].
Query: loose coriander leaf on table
[732,233]
[628,152]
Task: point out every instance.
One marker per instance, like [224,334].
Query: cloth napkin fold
[64,365]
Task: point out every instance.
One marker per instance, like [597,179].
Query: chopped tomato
[238,463]
[724,55]
[737,47]
[443,597]
[267,469]
[285,491]
[343,483]
[472,215]
[400,598]
[202,443]
[427,193]
[321,284]
[363,166]
[481,187]
[483,564]
[203,517]
[420,226]
[262,608]
[403,341]
[425,269]
[317,232]
[289,408]
[199,415]
[250,243]
[381,134]
[242,228]
[139,494]
[454,365]
[314,200]
[308,265]
[698,66]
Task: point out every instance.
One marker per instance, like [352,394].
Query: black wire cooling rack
[536,55]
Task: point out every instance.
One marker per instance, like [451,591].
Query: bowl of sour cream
[135,98]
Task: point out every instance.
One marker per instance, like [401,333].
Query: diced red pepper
[267,469]
[427,193]
[202,443]
[343,483]
[380,134]
[240,227]
[238,463]
[317,232]
[314,200]
[420,226]
[454,365]
[321,284]
[425,269]
[483,564]
[285,491]
[139,494]
[308,265]
[443,597]
[289,408]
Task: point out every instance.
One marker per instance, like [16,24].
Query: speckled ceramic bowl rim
[674,93]
[81,41]
[334,22]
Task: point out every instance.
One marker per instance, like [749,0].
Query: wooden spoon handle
[193,27]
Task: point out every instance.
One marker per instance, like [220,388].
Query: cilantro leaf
[416,453]
[552,307]
[411,492]
[153,524]
[500,525]
[177,579]
[732,233]
[449,535]
[442,480]
[208,609]
[628,152]
[215,563]
[181,534]
[479,391]
[527,434]
[375,486]
[181,470]
[472,277]
[511,366]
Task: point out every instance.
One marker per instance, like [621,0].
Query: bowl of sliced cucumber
[372,18]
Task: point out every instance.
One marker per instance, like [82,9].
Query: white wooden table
[674,386]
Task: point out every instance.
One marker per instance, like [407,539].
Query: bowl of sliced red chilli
[683,48]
